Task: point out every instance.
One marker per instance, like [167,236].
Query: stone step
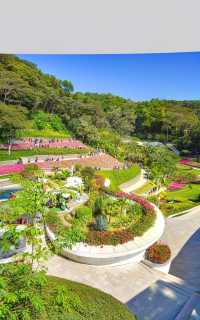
[164,299]
[190,308]
[173,281]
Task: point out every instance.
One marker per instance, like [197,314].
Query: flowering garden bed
[190,163]
[112,220]
[158,253]
[111,247]
[12,168]
[176,185]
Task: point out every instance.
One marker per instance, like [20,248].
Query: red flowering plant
[148,207]
[158,253]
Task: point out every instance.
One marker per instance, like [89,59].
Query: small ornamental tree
[67,86]
[161,166]
[88,175]
[23,283]
[31,203]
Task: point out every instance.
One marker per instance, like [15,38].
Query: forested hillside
[98,119]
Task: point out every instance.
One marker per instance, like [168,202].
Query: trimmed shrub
[158,253]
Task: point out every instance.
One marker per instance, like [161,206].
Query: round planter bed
[132,251]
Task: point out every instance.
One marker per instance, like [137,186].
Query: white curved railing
[132,251]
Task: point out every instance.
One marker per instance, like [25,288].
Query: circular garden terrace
[120,245]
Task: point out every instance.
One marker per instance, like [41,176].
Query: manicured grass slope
[16,154]
[189,192]
[88,303]
[120,176]
[183,169]
[145,188]
[181,200]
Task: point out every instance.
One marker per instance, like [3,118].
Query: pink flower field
[11,168]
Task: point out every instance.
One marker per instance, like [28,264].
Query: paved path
[7,184]
[182,233]
[123,282]
[134,183]
[138,285]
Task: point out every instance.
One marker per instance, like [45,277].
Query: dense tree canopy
[12,118]
[88,114]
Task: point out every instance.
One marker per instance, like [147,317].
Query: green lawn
[181,200]
[189,192]
[46,133]
[85,303]
[182,168]
[145,188]
[16,154]
[120,176]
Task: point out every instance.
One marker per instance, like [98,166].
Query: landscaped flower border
[176,185]
[11,168]
[114,252]
[189,163]
[115,237]
[126,235]
[149,209]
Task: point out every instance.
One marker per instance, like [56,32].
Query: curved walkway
[139,285]
[182,233]
[134,183]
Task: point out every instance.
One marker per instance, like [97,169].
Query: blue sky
[135,76]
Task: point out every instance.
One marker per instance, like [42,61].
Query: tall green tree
[12,118]
[67,86]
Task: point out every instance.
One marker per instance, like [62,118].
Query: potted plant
[158,257]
